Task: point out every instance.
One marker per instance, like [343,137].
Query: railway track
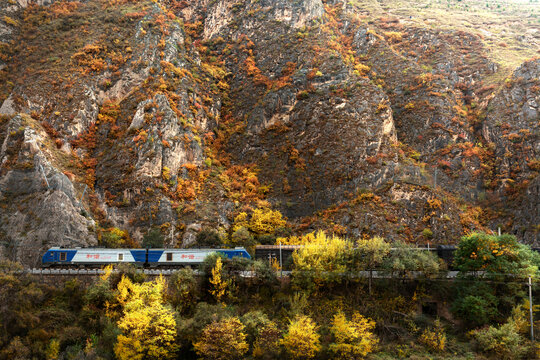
[92,272]
[169,272]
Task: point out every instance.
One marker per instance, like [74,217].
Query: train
[97,257]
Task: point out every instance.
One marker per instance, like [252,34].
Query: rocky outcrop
[39,202]
[324,146]
[513,115]
[513,127]
[223,16]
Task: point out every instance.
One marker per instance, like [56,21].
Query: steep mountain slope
[353,117]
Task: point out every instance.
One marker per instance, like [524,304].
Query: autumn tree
[302,340]
[191,327]
[116,238]
[208,238]
[253,322]
[406,259]
[219,285]
[148,325]
[296,240]
[242,237]
[504,341]
[183,290]
[499,258]
[324,259]
[19,298]
[222,340]
[266,344]
[266,221]
[53,348]
[354,339]
[434,337]
[263,221]
[370,254]
[496,256]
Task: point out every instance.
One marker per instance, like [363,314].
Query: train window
[120,257]
[169,256]
[63,256]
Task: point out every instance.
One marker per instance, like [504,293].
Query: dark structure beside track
[271,252]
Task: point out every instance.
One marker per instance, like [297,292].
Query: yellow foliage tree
[323,253]
[302,340]
[266,221]
[53,350]
[223,340]
[296,240]
[435,337]
[324,259]
[353,339]
[148,325]
[115,238]
[219,286]
[263,221]
[241,220]
[107,271]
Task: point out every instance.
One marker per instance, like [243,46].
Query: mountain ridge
[183,115]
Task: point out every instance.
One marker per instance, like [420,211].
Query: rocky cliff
[179,115]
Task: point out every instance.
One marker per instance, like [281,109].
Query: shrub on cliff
[153,239]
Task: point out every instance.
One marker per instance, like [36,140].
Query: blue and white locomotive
[88,257]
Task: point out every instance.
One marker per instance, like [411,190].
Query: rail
[93,272]
[168,272]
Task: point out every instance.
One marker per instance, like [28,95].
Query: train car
[97,257]
[89,257]
[188,257]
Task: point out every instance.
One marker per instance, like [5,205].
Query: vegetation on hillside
[222,314]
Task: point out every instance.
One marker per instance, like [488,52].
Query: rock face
[218,15]
[512,122]
[40,206]
[182,115]
[513,126]
[324,144]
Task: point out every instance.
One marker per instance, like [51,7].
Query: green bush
[242,237]
[404,261]
[189,329]
[497,256]
[153,239]
[128,270]
[503,342]
[500,258]
[254,321]
[427,233]
[183,290]
[476,304]
[208,238]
